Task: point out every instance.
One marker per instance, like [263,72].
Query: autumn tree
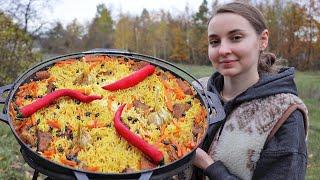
[73,36]
[27,13]
[144,35]
[16,50]
[179,51]
[124,33]
[311,32]
[161,37]
[54,42]
[273,11]
[100,31]
[199,44]
[292,46]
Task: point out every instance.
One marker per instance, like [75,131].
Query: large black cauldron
[58,171]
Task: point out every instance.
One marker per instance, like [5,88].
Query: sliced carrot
[65,62]
[191,144]
[92,65]
[197,119]
[129,106]
[67,162]
[68,61]
[28,122]
[91,168]
[183,150]
[19,101]
[51,79]
[179,93]
[49,152]
[161,138]
[166,84]
[90,58]
[168,100]
[179,150]
[33,120]
[99,125]
[20,126]
[92,123]
[176,124]
[86,91]
[162,128]
[54,123]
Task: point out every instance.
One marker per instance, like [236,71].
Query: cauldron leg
[35,175]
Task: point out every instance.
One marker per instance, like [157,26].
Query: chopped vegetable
[45,101]
[153,153]
[131,80]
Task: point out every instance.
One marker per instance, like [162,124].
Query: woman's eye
[236,38]
[214,42]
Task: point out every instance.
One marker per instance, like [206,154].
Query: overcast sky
[84,10]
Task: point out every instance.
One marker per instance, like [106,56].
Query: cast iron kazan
[45,166]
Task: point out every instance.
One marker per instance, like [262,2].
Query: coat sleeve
[283,157]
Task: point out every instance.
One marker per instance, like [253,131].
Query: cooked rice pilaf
[158,109]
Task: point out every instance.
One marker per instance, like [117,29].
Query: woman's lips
[228,63]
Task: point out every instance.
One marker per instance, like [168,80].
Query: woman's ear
[264,38]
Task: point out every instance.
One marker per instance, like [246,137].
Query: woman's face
[233,45]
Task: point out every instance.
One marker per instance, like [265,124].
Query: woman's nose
[224,49]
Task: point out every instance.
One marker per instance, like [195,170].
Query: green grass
[308,85]
[12,165]
[314,139]
[309,90]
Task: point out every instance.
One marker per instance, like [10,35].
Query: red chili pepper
[132,79]
[153,153]
[51,97]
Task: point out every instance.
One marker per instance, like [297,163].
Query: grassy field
[12,165]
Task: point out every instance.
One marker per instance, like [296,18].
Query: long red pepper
[153,153]
[131,80]
[51,97]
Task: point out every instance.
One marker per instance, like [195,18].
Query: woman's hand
[202,160]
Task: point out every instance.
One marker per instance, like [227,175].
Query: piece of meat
[172,152]
[50,87]
[41,75]
[196,130]
[162,75]
[104,73]
[180,109]
[27,137]
[44,139]
[82,79]
[185,87]
[73,153]
[68,133]
[138,65]
[146,164]
[139,105]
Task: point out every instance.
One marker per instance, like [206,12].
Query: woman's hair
[267,60]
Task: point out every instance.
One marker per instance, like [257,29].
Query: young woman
[264,133]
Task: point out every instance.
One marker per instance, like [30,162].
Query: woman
[264,133]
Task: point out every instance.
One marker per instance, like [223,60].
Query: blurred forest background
[26,38]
